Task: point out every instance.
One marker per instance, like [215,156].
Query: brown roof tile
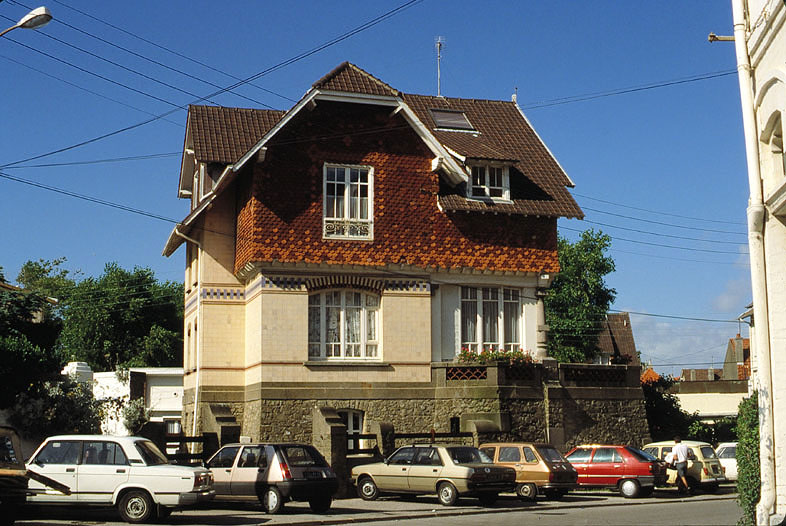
[616,337]
[502,134]
[224,135]
[350,78]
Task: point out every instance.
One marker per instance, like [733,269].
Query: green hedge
[748,473]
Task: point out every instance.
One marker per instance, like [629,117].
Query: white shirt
[681,452]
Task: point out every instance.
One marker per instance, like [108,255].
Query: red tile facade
[280,202]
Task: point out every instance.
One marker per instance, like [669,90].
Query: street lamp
[38,17]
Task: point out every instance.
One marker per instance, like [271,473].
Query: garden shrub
[748,471]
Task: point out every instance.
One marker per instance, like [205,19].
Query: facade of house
[760,43]
[344,252]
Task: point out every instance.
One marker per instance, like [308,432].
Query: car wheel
[487,499]
[135,506]
[367,489]
[272,501]
[320,505]
[447,494]
[629,488]
[527,491]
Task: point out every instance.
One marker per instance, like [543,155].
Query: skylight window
[451,120]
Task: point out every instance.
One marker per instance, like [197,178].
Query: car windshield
[150,453]
[708,452]
[727,452]
[303,456]
[640,455]
[468,455]
[550,454]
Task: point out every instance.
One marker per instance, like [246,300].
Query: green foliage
[23,366]
[748,470]
[579,299]
[124,318]
[135,415]
[56,407]
[494,355]
[664,414]
[722,430]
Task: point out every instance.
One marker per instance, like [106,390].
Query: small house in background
[737,363]
[615,341]
[160,387]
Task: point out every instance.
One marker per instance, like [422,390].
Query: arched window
[343,324]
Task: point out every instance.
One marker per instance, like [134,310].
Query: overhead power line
[638,231]
[352,32]
[689,249]
[649,314]
[99,161]
[656,211]
[169,50]
[622,91]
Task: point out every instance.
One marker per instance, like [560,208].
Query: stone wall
[540,408]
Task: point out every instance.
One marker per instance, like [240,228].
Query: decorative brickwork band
[224,294]
[466,373]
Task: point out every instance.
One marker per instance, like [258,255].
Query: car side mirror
[386,461]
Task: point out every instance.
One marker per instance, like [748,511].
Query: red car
[627,469]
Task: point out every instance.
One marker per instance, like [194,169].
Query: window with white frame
[491,318]
[490,181]
[349,202]
[344,325]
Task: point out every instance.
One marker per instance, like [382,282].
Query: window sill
[345,363]
[490,200]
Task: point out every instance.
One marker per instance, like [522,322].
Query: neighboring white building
[160,387]
[760,42]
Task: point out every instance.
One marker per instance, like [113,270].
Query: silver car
[274,474]
[449,471]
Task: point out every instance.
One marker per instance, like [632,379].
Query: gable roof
[616,337]
[349,78]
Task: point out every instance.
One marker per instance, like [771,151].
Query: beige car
[540,468]
[704,469]
[450,471]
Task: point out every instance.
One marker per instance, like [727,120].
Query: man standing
[680,452]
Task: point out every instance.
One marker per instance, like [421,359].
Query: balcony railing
[348,228]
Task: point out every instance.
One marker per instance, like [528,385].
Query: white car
[128,472]
[727,454]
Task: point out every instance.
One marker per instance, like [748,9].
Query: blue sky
[648,162]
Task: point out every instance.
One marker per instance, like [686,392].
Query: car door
[393,474]
[221,466]
[510,456]
[103,467]
[579,459]
[425,470]
[250,473]
[58,460]
[606,466]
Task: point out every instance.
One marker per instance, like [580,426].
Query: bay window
[490,318]
[343,324]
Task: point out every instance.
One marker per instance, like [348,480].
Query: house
[342,253]
[701,375]
[760,44]
[615,341]
[737,363]
[161,389]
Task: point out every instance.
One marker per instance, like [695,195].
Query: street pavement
[575,508]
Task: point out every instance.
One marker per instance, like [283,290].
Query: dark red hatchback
[625,468]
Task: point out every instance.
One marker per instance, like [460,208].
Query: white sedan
[128,472]
[727,454]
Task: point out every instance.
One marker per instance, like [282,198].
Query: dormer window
[451,120]
[490,182]
[349,202]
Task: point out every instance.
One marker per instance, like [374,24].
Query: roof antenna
[515,97]
[440,41]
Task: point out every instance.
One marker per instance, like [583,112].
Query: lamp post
[38,17]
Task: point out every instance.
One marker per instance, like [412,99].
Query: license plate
[312,475]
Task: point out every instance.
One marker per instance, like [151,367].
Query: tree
[49,279]
[579,299]
[123,318]
[665,417]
